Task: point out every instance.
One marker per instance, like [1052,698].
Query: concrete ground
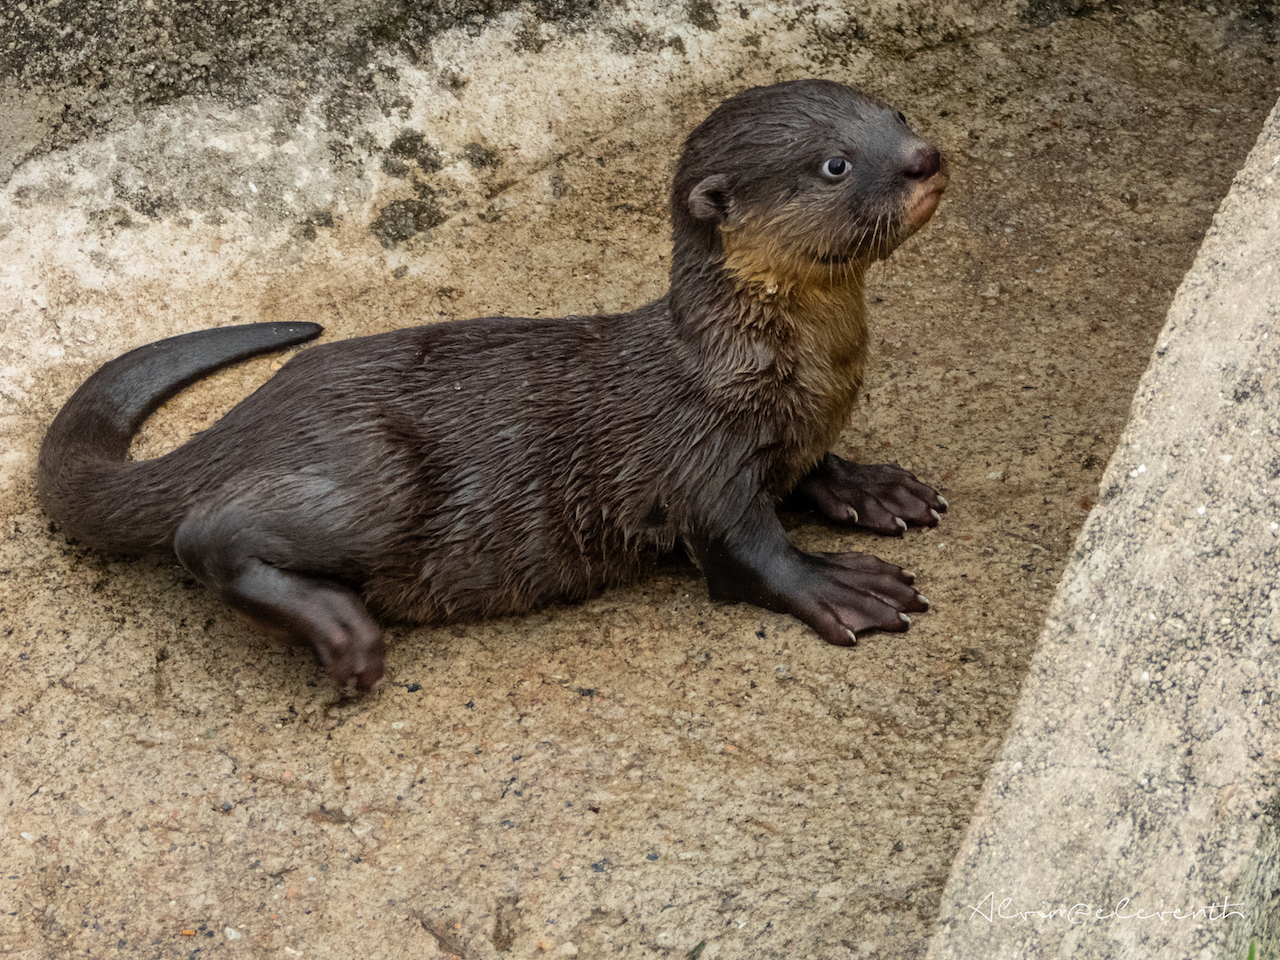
[1133,810]
[648,774]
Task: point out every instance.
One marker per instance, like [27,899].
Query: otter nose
[922,163]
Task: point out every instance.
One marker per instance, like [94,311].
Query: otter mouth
[925,203]
[925,206]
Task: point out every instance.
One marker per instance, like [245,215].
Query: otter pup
[489,466]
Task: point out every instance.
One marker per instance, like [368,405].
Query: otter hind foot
[883,498]
[329,618]
[285,604]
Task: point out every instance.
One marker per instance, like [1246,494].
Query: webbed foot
[883,498]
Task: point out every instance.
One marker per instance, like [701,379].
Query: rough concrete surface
[1133,810]
[647,774]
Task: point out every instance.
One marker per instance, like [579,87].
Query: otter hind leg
[837,594]
[249,567]
[883,498]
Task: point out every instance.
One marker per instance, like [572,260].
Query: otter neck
[786,339]
[785,295]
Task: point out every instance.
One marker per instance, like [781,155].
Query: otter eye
[835,168]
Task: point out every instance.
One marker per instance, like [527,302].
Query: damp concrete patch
[1133,810]
[648,773]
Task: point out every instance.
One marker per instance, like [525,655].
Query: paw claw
[943,501]
[889,498]
[904,618]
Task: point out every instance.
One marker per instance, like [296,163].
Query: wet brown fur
[490,466]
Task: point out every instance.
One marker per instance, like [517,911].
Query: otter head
[798,185]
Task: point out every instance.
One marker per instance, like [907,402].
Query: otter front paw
[847,593]
[883,498]
[837,594]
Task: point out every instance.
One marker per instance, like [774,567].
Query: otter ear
[709,200]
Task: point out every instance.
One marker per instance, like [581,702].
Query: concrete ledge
[1133,811]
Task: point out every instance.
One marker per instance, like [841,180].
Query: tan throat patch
[797,252]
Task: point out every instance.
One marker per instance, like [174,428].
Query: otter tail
[83,478]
